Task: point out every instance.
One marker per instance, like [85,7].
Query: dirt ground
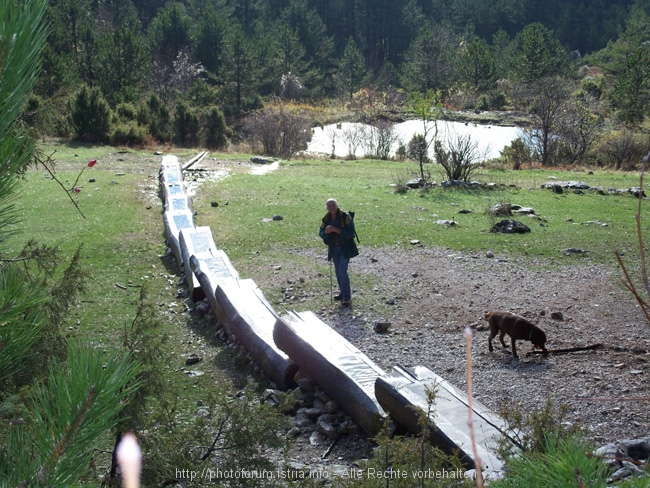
[433,294]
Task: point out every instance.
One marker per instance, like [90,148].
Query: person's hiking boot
[347,303]
[338,297]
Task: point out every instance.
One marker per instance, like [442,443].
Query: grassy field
[123,241]
[298,189]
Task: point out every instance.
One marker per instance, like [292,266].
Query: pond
[347,138]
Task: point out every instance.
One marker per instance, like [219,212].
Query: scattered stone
[450,223]
[306,384]
[489,254]
[623,457]
[416,183]
[501,209]
[637,192]
[277,217]
[157,153]
[331,407]
[91,180]
[274,397]
[293,432]
[415,241]
[510,227]
[557,316]
[450,183]
[524,210]
[214,204]
[261,160]
[192,359]
[381,327]
[194,374]
[314,412]
[327,429]
[302,420]
[314,438]
[573,185]
[465,211]
[572,250]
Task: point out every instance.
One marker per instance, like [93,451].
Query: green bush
[126,111]
[532,431]
[498,101]
[186,125]
[483,103]
[129,134]
[516,154]
[563,462]
[215,129]
[157,117]
[90,115]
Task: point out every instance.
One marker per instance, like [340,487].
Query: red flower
[77,189]
[92,163]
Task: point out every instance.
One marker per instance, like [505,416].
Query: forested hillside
[135,71]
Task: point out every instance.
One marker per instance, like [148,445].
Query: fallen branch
[607,399]
[615,458]
[570,349]
[329,449]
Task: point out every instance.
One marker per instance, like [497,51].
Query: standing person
[337,231]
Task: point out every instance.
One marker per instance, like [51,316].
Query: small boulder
[381,327]
[510,227]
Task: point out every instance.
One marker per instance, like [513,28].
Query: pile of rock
[628,458]
[579,186]
[316,414]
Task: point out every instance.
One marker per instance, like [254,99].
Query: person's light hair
[331,200]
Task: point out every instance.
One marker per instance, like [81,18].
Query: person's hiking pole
[331,297]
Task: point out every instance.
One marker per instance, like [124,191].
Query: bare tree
[167,80]
[428,108]
[578,128]
[380,137]
[547,98]
[458,156]
[292,87]
[354,136]
[623,150]
[278,132]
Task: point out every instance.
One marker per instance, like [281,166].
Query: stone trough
[343,372]
[405,388]
[281,345]
[198,242]
[249,320]
[211,272]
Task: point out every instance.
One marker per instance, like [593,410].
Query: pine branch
[70,432]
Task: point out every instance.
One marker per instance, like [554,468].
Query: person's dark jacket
[344,222]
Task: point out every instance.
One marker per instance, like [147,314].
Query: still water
[346,137]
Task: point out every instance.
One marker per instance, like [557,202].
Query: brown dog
[518,328]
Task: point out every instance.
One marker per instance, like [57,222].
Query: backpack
[351,214]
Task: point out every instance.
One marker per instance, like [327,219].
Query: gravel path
[434,294]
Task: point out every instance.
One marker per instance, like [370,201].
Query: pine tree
[352,69]
[79,400]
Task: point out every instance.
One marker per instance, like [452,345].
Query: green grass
[298,190]
[123,249]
